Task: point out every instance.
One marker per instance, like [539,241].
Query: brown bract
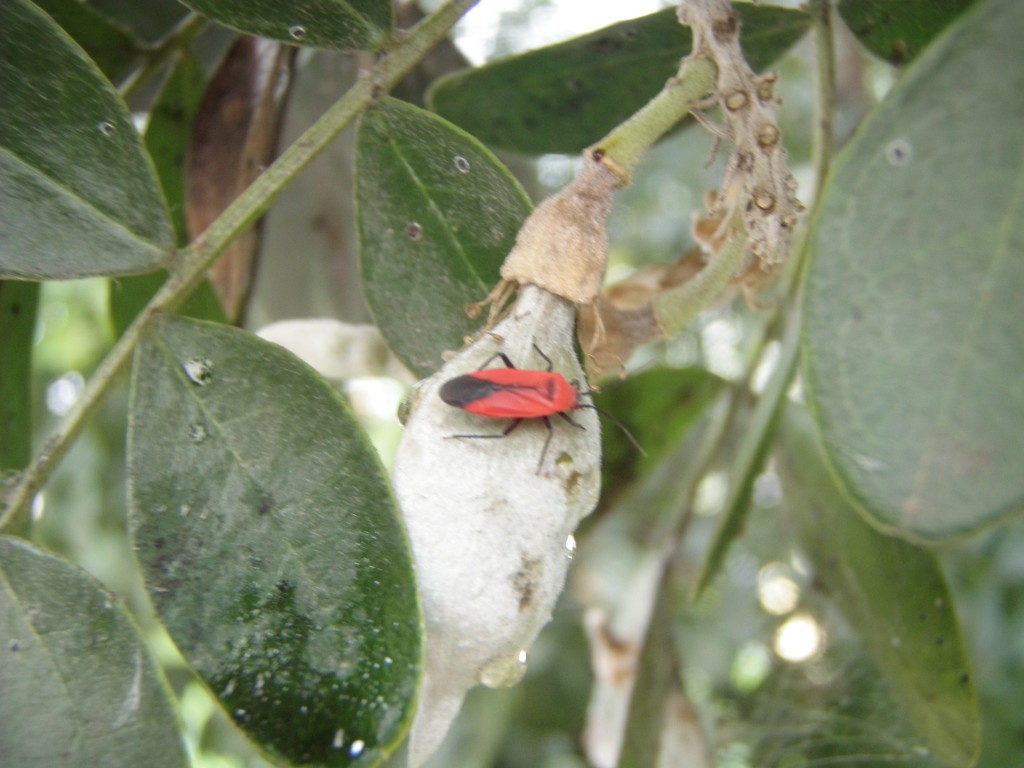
[563,246]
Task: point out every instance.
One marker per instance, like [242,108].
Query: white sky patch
[549,22]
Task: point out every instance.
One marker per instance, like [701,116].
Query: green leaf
[271,545]
[437,214]
[151,21]
[893,593]
[564,97]
[334,24]
[78,685]
[914,344]
[167,135]
[18,303]
[110,46]
[898,30]
[77,190]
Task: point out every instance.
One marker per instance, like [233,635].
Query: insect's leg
[546,358]
[504,359]
[547,442]
[508,430]
[569,419]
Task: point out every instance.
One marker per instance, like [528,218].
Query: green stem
[195,260]
[675,308]
[156,58]
[629,141]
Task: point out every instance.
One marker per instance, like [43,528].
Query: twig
[196,259]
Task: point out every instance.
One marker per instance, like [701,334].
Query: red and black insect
[512,393]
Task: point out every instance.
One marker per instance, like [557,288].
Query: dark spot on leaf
[606,45]
[575,85]
[414,231]
[159,542]
[899,52]
[283,586]
[940,640]
[965,679]
[14,645]
[15,310]
[923,616]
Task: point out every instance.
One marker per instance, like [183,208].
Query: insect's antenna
[616,422]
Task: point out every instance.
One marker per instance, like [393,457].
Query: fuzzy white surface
[488,530]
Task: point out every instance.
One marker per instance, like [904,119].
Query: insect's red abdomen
[511,393]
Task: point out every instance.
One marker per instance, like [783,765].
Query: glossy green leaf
[437,214]
[564,97]
[112,48]
[167,134]
[892,592]
[77,190]
[914,344]
[271,545]
[18,303]
[897,30]
[334,24]
[78,685]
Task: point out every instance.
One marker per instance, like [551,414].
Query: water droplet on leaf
[414,231]
[461,164]
[197,432]
[297,31]
[357,748]
[107,128]
[199,370]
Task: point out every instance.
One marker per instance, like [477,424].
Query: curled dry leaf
[234,139]
[488,529]
[626,316]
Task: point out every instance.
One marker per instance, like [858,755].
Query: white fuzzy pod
[488,531]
